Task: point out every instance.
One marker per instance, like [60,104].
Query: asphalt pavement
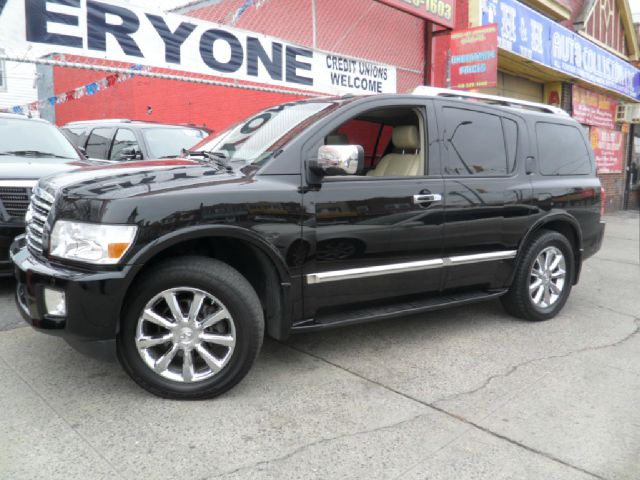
[467,393]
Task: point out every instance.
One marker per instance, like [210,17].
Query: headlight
[91,242]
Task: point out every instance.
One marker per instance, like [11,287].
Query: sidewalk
[456,394]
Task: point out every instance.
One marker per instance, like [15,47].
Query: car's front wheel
[543,278]
[191,329]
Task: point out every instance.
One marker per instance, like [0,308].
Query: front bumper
[93,299]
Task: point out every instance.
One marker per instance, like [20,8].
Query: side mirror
[130,153]
[339,160]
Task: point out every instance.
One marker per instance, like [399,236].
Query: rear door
[487,193]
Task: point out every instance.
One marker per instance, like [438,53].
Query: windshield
[169,142]
[24,137]
[255,139]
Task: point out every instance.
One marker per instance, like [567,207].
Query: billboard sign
[114,31]
[531,35]
[591,108]
[474,58]
[442,12]
[607,148]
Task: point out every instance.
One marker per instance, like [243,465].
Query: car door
[99,143]
[374,238]
[487,193]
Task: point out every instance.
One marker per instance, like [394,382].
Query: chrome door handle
[427,198]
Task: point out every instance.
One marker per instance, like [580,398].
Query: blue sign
[527,33]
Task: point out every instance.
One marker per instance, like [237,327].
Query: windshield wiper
[32,153]
[218,157]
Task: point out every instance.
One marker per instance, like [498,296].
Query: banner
[474,58]
[607,147]
[530,34]
[442,12]
[115,31]
[591,108]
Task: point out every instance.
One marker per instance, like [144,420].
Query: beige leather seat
[406,164]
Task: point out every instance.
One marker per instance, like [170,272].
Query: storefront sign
[118,32]
[524,31]
[474,58]
[607,147]
[439,11]
[592,108]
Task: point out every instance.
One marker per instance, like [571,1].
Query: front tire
[191,329]
[543,278]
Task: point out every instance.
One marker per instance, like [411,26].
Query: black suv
[30,148]
[120,140]
[311,215]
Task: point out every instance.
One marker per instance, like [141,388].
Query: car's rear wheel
[543,278]
[191,329]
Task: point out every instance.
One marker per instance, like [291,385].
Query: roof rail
[114,120]
[491,99]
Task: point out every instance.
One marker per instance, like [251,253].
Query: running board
[372,314]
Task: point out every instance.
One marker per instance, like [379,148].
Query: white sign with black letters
[117,32]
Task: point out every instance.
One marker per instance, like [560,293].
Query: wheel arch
[565,224]
[243,250]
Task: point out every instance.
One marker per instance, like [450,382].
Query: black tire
[215,278]
[518,301]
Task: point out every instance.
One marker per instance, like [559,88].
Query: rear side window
[562,150]
[99,143]
[474,143]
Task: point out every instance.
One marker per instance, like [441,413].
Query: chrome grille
[41,203]
[15,200]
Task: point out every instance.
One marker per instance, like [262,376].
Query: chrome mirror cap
[340,159]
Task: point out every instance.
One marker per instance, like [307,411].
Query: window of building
[99,143]
[562,150]
[474,143]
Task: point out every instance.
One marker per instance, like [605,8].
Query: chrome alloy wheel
[548,277]
[185,335]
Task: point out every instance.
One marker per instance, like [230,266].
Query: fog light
[55,302]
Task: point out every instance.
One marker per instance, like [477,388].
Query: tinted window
[77,135]
[511,141]
[99,142]
[169,142]
[124,139]
[562,150]
[18,135]
[474,143]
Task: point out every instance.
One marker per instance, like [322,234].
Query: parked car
[183,266]
[29,149]
[120,140]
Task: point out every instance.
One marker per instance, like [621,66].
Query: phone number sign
[441,12]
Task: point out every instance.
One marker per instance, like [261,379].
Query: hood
[129,179]
[32,168]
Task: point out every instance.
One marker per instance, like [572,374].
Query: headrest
[336,139]
[406,136]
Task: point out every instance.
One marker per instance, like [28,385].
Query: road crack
[515,368]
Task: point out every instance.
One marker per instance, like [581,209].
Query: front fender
[166,241]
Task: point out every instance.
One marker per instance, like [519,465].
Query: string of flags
[75,94]
[244,7]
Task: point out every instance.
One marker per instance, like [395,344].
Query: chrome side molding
[351,273]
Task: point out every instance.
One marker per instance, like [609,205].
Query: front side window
[125,146]
[474,143]
[34,138]
[254,140]
[562,150]
[392,139]
[99,143]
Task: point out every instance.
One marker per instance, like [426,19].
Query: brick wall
[613,184]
